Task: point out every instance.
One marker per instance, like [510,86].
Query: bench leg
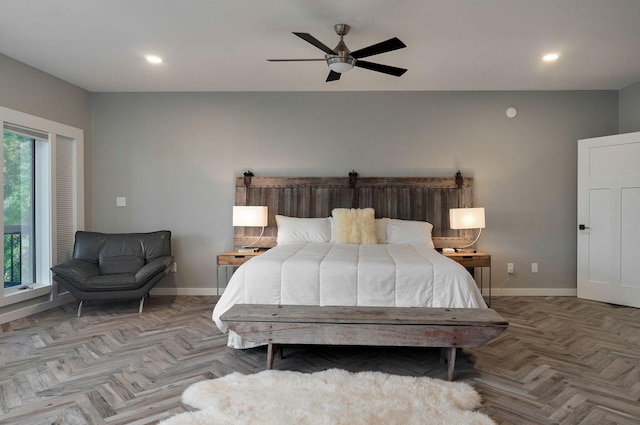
[452,362]
[272,349]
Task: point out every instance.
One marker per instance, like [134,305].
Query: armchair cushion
[112,282]
[120,264]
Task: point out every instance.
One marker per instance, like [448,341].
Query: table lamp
[467,218]
[250,216]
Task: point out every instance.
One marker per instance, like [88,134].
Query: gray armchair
[120,266]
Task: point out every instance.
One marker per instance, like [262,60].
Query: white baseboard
[532,292]
[184,291]
[495,292]
[19,313]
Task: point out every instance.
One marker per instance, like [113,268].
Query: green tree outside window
[18,205]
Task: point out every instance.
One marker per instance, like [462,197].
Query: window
[42,183]
[19,209]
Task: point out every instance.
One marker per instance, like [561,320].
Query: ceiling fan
[341,59]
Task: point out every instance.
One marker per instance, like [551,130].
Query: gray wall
[26,89]
[629,119]
[34,92]
[175,156]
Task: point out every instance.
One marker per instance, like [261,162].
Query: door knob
[583,227]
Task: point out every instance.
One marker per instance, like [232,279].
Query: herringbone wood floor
[562,361]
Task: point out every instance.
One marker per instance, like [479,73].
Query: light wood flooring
[561,361]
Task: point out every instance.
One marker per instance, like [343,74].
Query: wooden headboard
[407,198]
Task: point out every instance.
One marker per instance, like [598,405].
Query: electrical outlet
[534,267]
[510,268]
[174,267]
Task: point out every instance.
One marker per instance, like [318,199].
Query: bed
[350,254]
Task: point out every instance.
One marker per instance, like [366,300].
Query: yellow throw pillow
[356,226]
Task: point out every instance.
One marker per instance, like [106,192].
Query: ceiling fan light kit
[340,64]
[341,59]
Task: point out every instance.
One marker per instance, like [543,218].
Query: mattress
[400,275]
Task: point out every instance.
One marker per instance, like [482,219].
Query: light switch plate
[121,201]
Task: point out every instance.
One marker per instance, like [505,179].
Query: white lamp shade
[250,216]
[340,67]
[340,64]
[466,218]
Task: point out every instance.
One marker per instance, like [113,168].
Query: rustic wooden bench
[449,328]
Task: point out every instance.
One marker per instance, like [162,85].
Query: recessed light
[550,57]
[153,59]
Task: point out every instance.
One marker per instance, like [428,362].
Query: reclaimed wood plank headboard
[407,198]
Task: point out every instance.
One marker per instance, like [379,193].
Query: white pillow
[381,229]
[332,223]
[407,231]
[308,230]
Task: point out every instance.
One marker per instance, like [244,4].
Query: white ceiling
[216,45]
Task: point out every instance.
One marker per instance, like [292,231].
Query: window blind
[65,199]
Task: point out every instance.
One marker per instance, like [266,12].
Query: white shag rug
[332,397]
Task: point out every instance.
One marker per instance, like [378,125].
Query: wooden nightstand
[230,261]
[471,260]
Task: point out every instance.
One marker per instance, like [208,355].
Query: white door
[609,219]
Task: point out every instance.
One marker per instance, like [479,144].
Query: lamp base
[247,249]
[467,250]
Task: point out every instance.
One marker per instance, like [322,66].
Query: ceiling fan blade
[311,39]
[294,60]
[333,76]
[382,47]
[386,69]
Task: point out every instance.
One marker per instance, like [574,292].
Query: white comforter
[350,275]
